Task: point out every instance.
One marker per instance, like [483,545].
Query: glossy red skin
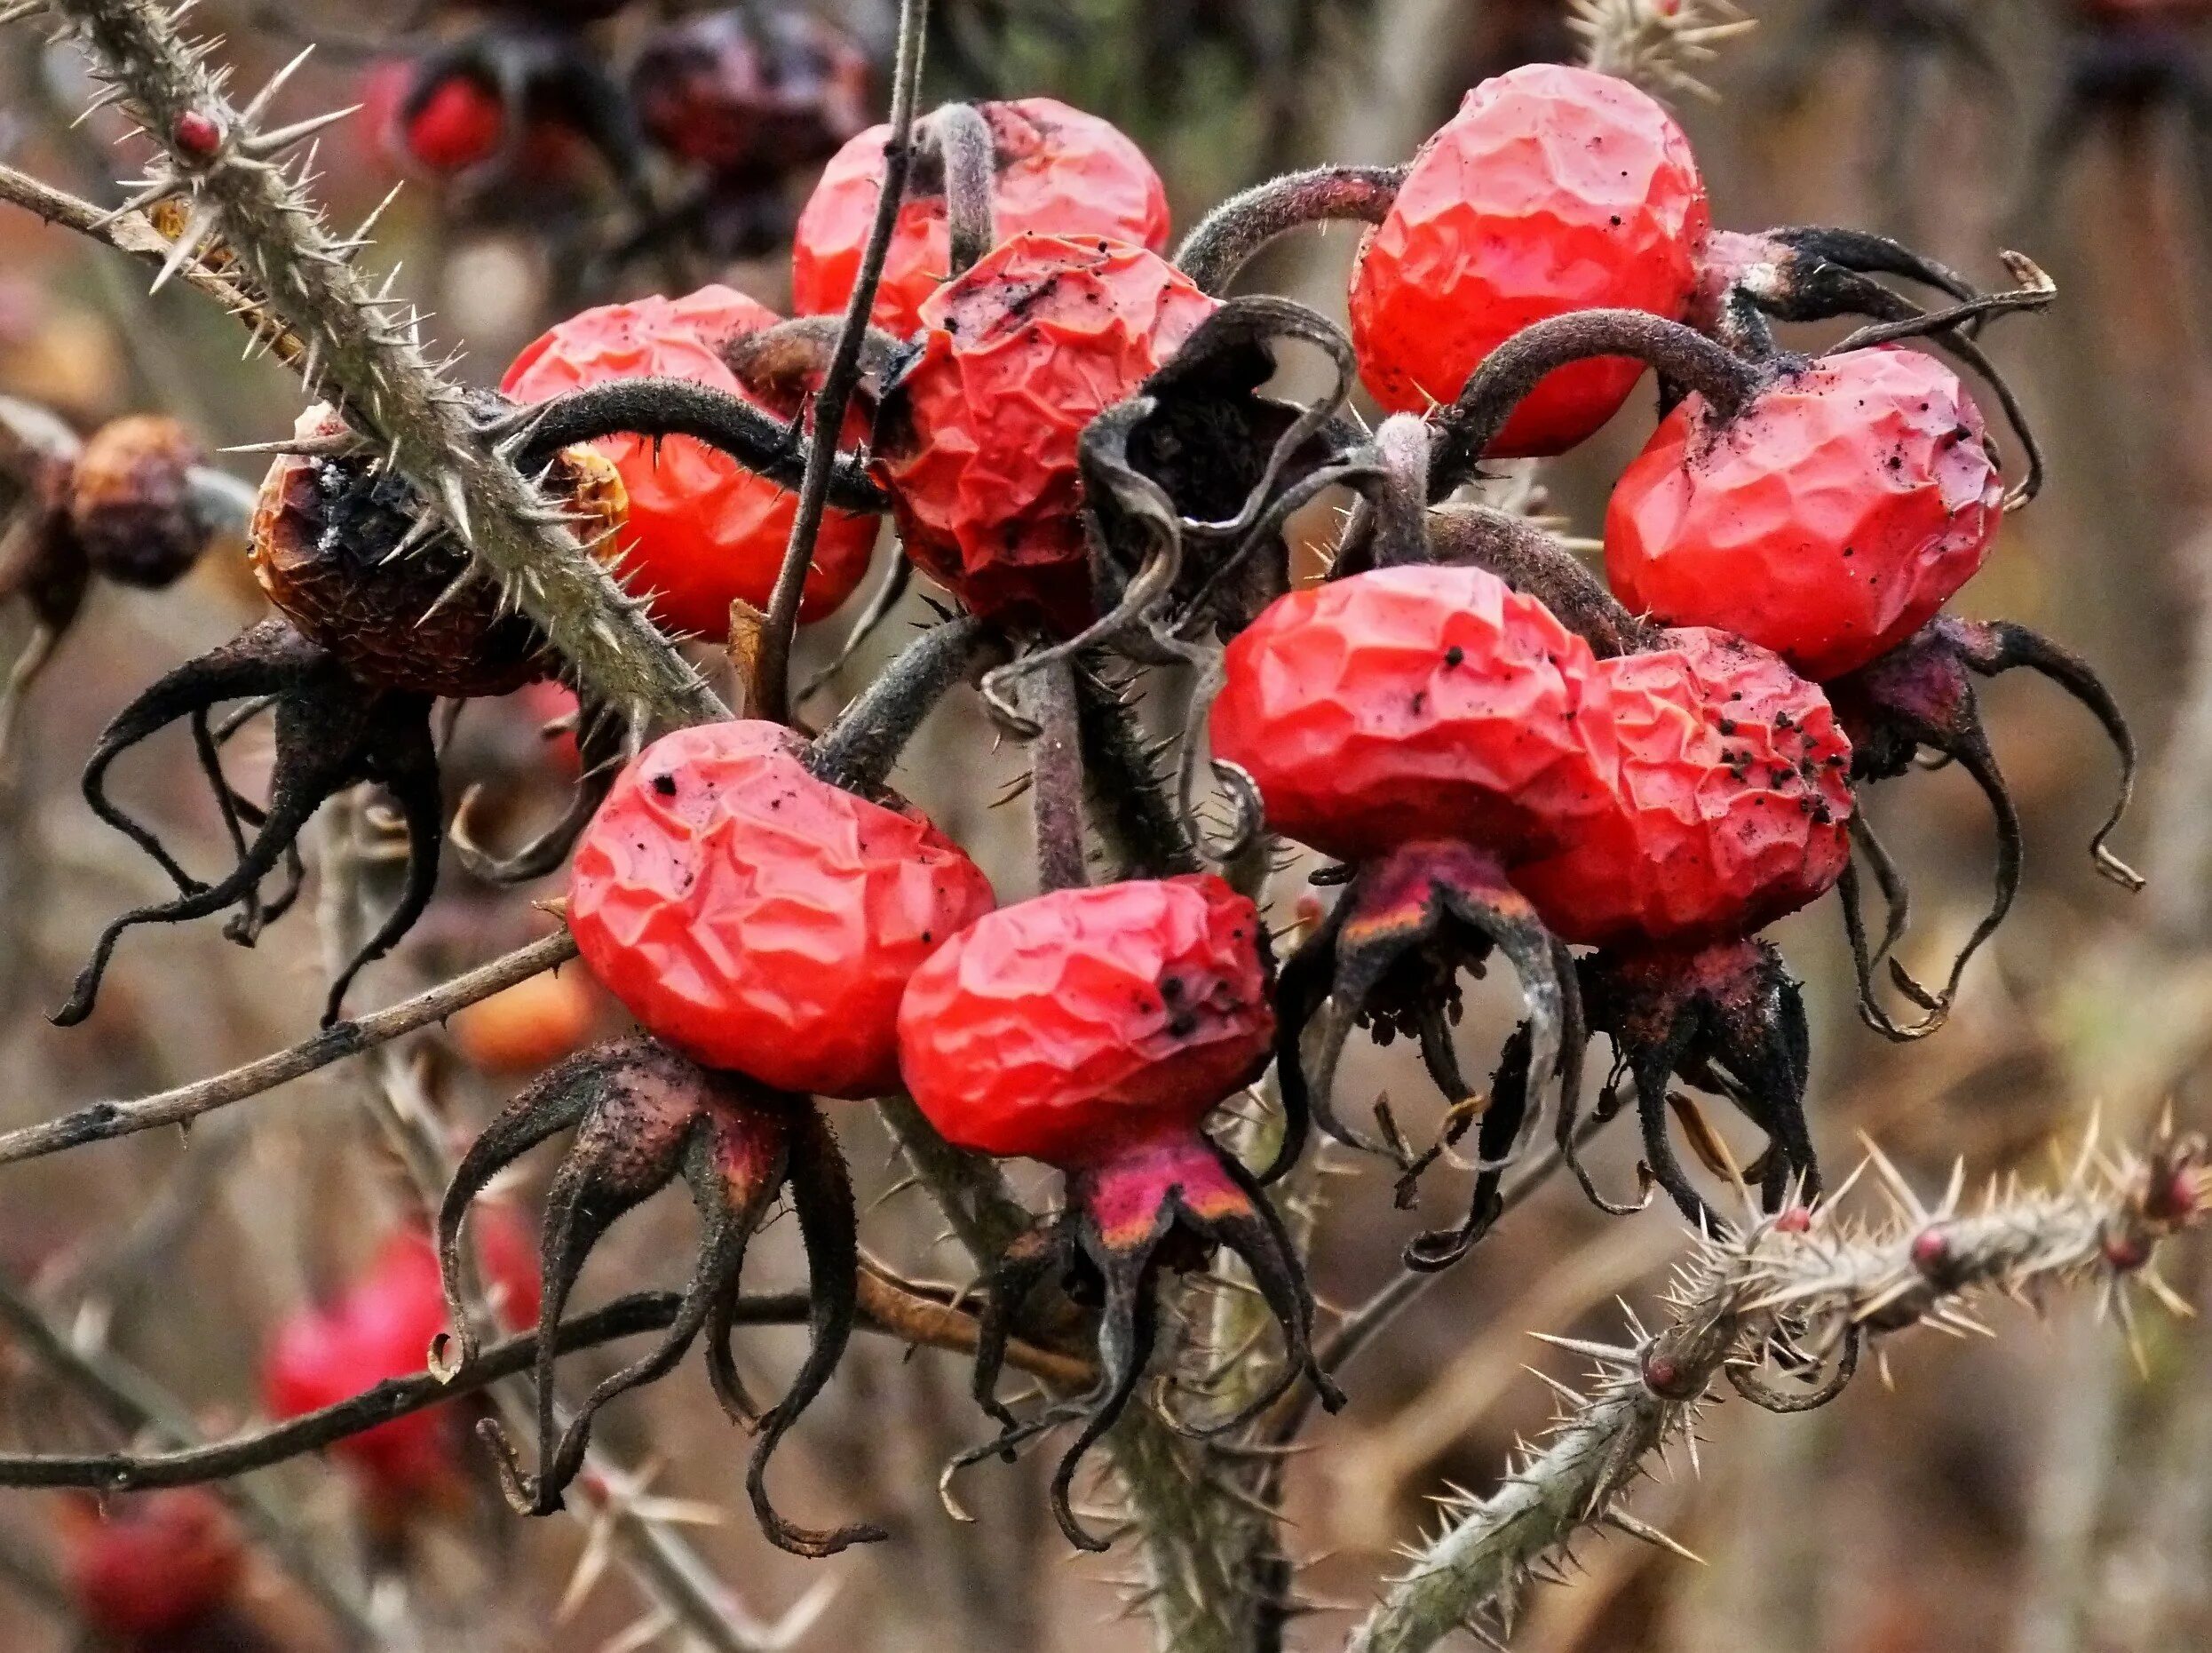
[1072,1027]
[1729,810]
[759,919]
[1552,189]
[382,1326]
[1061,172]
[978,443]
[150,1563]
[1828,522]
[1347,707]
[703,530]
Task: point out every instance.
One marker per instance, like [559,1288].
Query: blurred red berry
[381,1326]
[736,92]
[150,1563]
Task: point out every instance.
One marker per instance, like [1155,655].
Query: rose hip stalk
[381,614]
[761,924]
[1094,1030]
[1434,730]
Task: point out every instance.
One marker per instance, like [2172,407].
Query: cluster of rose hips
[1616,788]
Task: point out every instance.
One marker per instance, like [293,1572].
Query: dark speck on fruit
[665,785]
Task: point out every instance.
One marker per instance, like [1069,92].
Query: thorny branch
[1807,1287]
[362,346]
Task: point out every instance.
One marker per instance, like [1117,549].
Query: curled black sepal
[643,1115]
[1388,953]
[1119,1230]
[1169,470]
[602,741]
[331,732]
[1920,697]
[1726,1018]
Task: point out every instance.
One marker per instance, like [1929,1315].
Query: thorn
[195,231]
[252,113]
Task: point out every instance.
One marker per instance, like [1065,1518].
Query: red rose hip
[1552,189]
[759,919]
[1828,520]
[1094,1029]
[1058,172]
[980,434]
[702,531]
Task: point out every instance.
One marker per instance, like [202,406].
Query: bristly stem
[772,685]
[963,143]
[1056,766]
[859,750]
[1235,232]
[1682,355]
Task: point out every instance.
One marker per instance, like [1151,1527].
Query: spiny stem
[1819,1281]
[858,750]
[772,683]
[1233,233]
[367,354]
[1056,762]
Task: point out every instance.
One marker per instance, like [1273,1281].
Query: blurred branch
[1812,1286]
[100,1122]
[133,233]
[886,1308]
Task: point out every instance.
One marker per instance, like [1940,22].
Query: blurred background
[2037,1493]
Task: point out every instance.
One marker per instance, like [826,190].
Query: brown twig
[772,682]
[101,1122]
